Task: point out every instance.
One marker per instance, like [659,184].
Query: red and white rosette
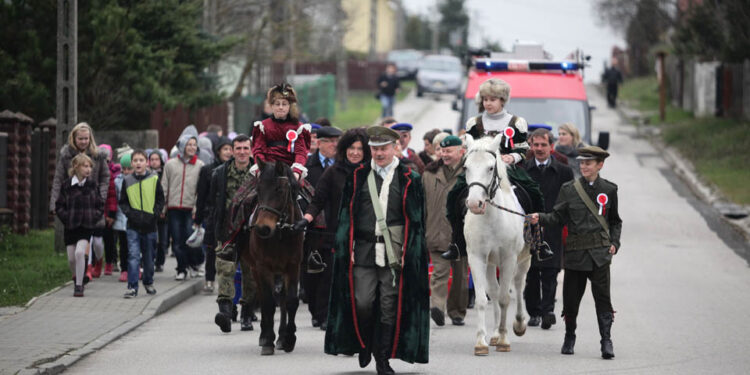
[291,136]
[602,200]
[509,133]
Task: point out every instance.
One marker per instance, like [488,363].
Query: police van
[546,92]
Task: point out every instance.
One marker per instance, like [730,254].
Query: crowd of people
[380,214]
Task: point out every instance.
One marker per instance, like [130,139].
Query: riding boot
[570,335]
[223,318]
[472,299]
[246,320]
[383,352]
[452,253]
[365,354]
[605,320]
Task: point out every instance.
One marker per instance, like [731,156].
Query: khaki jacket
[436,187]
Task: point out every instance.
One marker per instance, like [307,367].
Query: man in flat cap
[380,282]
[404,131]
[316,278]
[588,206]
[439,178]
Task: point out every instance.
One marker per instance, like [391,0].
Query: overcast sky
[561,26]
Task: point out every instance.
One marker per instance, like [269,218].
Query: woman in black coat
[352,151]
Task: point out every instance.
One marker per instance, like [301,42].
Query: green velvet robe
[412,332]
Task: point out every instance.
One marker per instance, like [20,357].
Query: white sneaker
[180,276]
[201,272]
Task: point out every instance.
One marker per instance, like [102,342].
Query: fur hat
[285,91]
[494,87]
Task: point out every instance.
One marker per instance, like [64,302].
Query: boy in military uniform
[588,206]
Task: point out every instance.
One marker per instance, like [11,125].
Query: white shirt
[383,171]
[543,162]
[75,181]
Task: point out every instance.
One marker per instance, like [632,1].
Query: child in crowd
[110,245]
[79,207]
[156,165]
[121,222]
[142,201]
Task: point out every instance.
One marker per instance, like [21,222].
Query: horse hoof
[493,341]
[266,350]
[481,350]
[289,343]
[279,344]
[503,348]
[519,332]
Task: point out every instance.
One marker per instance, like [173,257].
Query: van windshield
[552,112]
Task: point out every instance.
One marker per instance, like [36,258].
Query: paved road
[680,290]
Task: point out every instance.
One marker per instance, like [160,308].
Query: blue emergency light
[525,65]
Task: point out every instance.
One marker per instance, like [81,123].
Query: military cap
[592,152]
[451,140]
[381,136]
[329,132]
[402,127]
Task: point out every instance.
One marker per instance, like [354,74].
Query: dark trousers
[539,295]
[574,285]
[318,287]
[122,239]
[110,246]
[180,228]
[210,251]
[375,285]
[612,95]
[162,242]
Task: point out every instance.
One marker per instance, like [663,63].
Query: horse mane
[489,144]
[268,176]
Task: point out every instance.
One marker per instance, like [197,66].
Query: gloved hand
[301,224]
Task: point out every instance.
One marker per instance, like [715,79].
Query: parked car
[407,62]
[441,74]
[546,92]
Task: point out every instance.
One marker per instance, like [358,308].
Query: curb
[685,170]
[155,307]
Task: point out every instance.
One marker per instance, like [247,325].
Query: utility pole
[66,94]
[372,55]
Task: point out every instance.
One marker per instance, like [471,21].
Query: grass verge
[29,266]
[717,147]
[362,108]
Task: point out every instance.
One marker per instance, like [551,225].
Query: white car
[440,74]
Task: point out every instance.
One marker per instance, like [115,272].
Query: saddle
[523,198]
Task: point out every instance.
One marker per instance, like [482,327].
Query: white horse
[494,238]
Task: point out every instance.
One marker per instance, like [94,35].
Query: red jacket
[111,206]
[270,142]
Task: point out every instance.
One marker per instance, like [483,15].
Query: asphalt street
[680,290]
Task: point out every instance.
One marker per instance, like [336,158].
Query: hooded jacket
[180,178]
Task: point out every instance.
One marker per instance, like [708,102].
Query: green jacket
[412,331]
[587,244]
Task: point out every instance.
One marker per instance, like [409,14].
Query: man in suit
[316,277]
[541,280]
[404,130]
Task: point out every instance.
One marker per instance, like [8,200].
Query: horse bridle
[282,222]
[490,190]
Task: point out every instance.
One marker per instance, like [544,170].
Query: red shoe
[97,272]
[124,276]
[140,275]
[108,269]
[87,276]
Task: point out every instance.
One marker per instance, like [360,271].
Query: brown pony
[275,253]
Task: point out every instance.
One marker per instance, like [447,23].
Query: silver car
[441,74]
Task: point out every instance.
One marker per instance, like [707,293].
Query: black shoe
[534,321]
[365,356]
[472,299]
[315,322]
[149,289]
[324,325]
[457,321]
[605,325]
[78,291]
[234,313]
[452,253]
[548,320]
[159,269]
[437,316]
[568,344]
[246,322]
[223,318]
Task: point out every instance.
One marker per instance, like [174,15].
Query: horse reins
[282,221]
[494,185]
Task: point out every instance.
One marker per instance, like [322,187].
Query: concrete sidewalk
[55,330]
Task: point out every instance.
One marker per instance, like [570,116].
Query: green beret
[592,152]
[381,135]
[451,140]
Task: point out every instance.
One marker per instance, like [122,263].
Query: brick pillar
[18,127]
